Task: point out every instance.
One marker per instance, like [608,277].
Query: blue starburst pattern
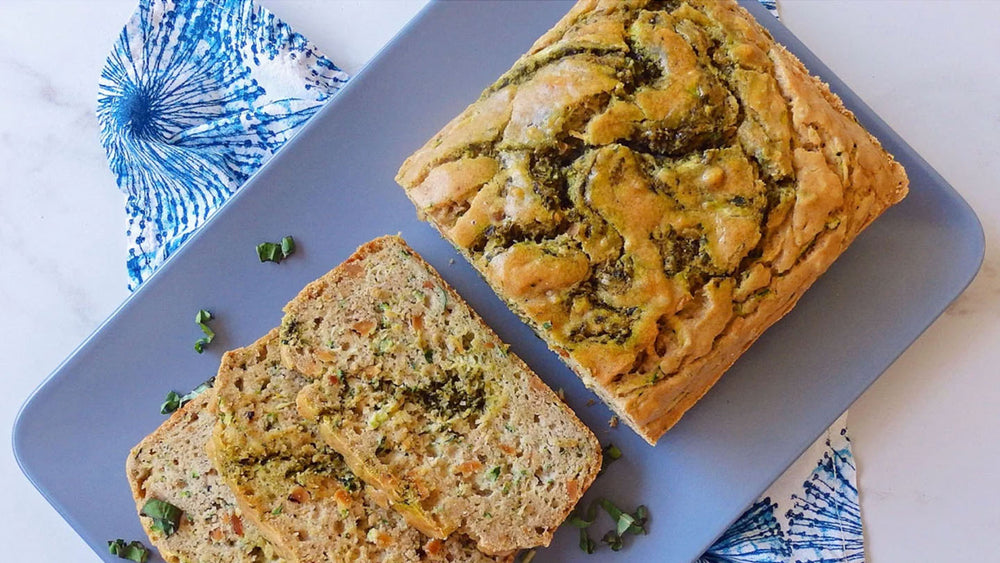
[195,97]
[824,521]
[755,537]
[815,520]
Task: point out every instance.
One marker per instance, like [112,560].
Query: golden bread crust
[650,187]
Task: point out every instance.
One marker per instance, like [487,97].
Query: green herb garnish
[547,325]
[625,523]
[171,403]
[175,400]
[611,455]
[641,515]
[613,540]
[133,551]
[494,473]
[166,517]
[200,319]
[587,544]
[582,522]
[276,251]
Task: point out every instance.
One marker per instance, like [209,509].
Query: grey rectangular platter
[332,188]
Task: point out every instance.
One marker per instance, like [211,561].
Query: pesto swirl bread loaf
[427,405]
[170,465]
[296,489]
[650,187]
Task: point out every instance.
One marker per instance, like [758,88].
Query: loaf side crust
[650,187]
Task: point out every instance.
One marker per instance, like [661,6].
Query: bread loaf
[427,404]
[650,187]
[170,465]
[298,490]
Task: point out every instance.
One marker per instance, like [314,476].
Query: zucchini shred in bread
[427,405]
[170,465]
[650,187]
[295,488]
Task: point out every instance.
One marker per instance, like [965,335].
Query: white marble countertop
[923,434]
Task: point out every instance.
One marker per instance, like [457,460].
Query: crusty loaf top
[170,465]
[647,176]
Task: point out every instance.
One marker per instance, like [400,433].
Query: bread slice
[170,465]
[427,404]
[298,490]
[651,187]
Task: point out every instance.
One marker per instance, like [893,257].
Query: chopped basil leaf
[166,516]
[547,325]
[201,388]
[613,540]
[287,246]
[625,522]
[610,508]
[269,252]
[429,355]
[583,522]
[494,473]
[174,400]
[586,544]
[274,251]
[171,403]
[641,515]
[202,317]
[209,333]
[133,551]
[611,454]
[277,510]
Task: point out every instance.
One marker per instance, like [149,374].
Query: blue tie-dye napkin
[198,94]
[194,98]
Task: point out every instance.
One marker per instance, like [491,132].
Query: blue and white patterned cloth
[198,94]
[194,98]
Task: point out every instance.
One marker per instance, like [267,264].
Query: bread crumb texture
[650,187]
[170,465]
[427,404]
[296,488]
